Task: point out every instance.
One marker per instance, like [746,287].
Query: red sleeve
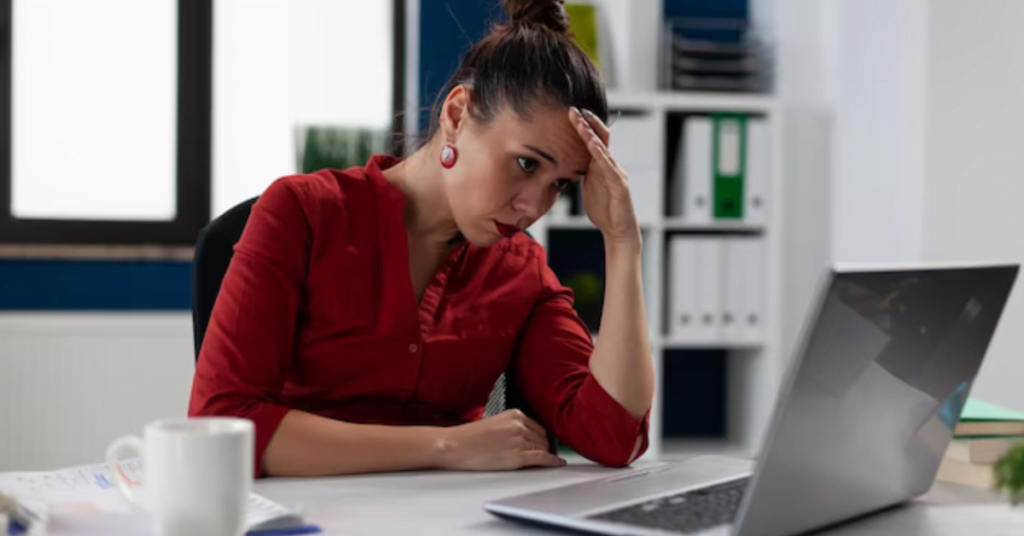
[553,374]
[248,344]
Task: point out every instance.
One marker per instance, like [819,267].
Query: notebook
[88,491]
[980,418]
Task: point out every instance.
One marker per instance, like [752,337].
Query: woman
[367,313]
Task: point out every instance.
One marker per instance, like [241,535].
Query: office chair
[214,249]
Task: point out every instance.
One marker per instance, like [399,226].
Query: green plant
[588,290]
[1009,474]
[337,147]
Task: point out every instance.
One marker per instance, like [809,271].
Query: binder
[734,290]
[757,172]
[751,255]
[729,155]
[709,297]
[682,277]
[696,170]
[634,145]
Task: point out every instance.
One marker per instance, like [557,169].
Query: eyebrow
[550,158]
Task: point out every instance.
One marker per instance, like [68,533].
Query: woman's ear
[455,111]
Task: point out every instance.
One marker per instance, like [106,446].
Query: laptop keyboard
[687,512]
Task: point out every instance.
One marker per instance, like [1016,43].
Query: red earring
[448,156]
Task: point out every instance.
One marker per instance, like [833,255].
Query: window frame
[194,139]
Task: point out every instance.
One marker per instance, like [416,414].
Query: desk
[449,504]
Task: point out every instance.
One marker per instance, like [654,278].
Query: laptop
[865,413]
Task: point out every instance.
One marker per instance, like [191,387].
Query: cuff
[266,418]
[621,426]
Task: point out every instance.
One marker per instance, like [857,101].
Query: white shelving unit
[754,369]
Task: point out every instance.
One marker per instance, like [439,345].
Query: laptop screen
[868,407]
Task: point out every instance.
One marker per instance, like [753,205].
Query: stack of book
[983,435]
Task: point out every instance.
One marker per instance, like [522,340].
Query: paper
[89,489]
[77,490]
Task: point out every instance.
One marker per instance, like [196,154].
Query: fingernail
[575,110]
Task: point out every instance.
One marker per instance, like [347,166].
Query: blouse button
[413,348]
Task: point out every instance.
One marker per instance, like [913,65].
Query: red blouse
[317,313]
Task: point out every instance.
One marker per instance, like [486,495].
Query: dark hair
[532,60]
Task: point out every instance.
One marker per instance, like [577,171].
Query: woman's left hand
[606,195]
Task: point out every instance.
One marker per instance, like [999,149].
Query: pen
[305,529]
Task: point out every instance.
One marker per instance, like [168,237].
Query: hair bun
[547,13]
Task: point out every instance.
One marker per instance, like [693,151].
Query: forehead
[545,128]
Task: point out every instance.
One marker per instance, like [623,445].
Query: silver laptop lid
[868,407]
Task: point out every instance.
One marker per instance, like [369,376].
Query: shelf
[569,222]
[731,381]
[678,224]
[669,224]
[685,101]
[668,343]
[579,222]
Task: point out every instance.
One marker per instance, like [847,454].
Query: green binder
[729,146]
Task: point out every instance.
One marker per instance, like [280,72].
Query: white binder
[683,272]
[634,146]
[734,290]
[751,322]
[709,300]
[758,170]
[697,170]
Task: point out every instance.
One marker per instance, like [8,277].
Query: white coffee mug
[198,474]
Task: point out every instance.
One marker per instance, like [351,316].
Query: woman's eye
[561,184]
[529,165]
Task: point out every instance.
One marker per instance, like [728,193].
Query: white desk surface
[450,504]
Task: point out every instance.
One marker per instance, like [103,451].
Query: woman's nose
[530,204]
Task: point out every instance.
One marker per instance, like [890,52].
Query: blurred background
[765,140]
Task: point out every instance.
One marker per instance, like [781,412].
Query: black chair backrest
[214,248]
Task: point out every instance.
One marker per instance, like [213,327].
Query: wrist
[438,445]
[623,244]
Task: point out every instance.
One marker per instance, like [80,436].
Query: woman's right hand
[507,441]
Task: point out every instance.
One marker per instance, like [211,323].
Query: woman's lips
[508,231]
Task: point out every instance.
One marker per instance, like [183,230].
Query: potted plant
[1009,474]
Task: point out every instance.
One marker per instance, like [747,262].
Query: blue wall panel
[447,29]
[95,285]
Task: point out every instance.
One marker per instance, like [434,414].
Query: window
[132,121]
[280,64]
[105,116]
[93,110]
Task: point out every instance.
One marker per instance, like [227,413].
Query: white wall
[71,383]
[797,30]
[975,164]
[879,101]
[925,105]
